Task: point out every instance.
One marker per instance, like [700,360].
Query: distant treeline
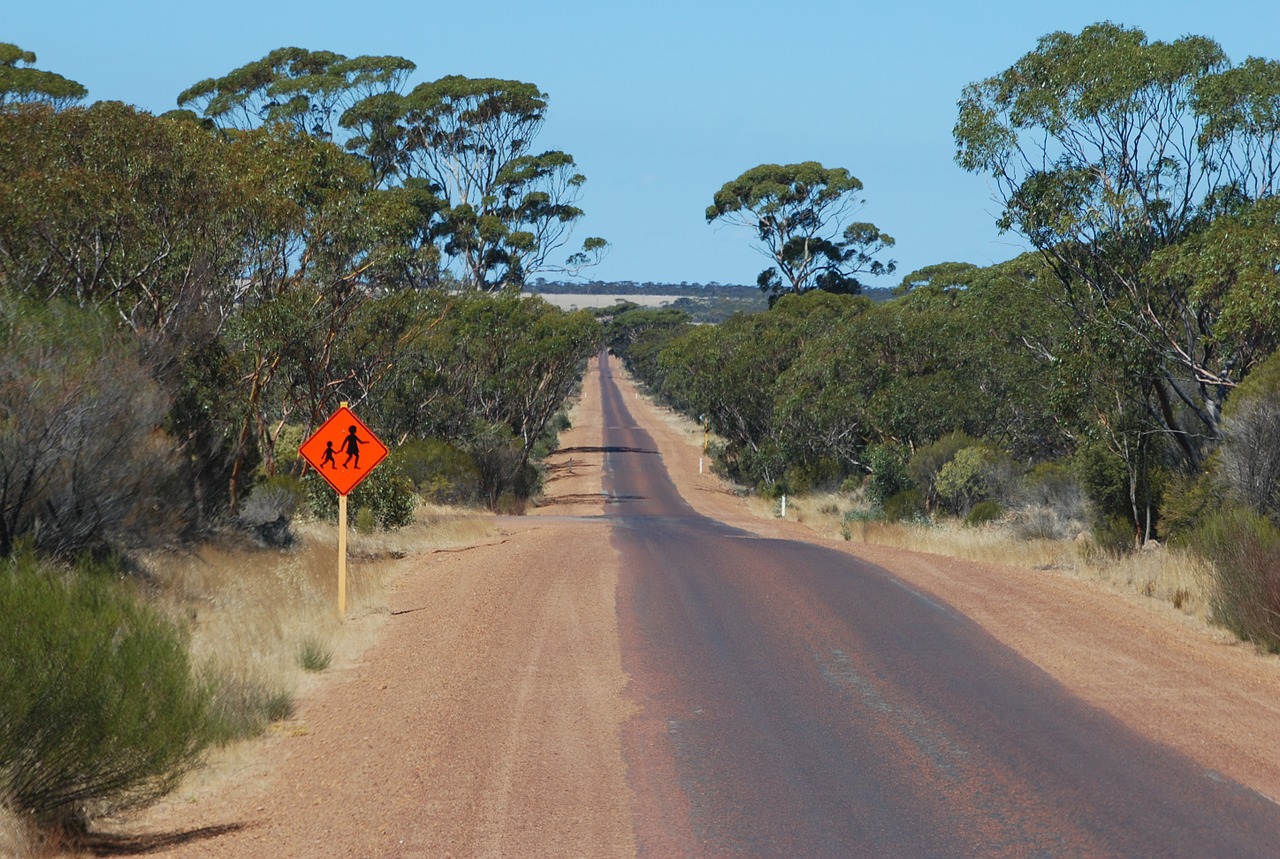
[713,289]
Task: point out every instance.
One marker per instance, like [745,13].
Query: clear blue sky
[661,102]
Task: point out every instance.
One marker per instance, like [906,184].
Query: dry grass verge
[1172,576]
[257,613]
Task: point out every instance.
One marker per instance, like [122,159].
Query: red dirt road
[494,717]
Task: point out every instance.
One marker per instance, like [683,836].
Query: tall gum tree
[1107,150]
[800,215]
[22,83]
[504,208]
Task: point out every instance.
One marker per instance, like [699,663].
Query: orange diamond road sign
[343,450]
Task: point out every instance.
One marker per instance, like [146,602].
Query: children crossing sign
[343,450]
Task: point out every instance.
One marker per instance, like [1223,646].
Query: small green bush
[385,492]
[888,477]
[100,711]
[982,513]
[907,505]
[241,708]
[1245,550]
[440,471]
[1114,536]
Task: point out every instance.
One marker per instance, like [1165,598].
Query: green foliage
[20,83]
[984,512]
[965,479]
[308,89]
[1163,240]
[240,708]
[314,656]
[1104,477]
[82,466]
[388,496]
[1188,502]
[1245,550]
[905,506]
[100,710]
[888,477]
[441,472]
[1249,458]
[502,208]
[929,460]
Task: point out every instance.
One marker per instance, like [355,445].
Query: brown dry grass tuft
[19,839]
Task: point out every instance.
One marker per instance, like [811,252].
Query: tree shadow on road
[109,844]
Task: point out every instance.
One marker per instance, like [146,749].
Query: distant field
[582,302]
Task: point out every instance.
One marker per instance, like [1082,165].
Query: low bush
[982,513]
[907,505]
[314,656]
[241,708]
[1245,550]
[270,509]
[440,471]
[387,494]
[100,710]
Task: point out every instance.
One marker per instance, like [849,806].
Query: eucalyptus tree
[504,208]
[110,207]
[1106,150]
[22,83]
[308,89]
[800,214]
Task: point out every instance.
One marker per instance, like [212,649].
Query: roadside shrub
[962,481]
[888,477]
[83,467]
[1188,502]
[928,461]
[549,439]
[1249,457]
[241,708]
[1114,535]
[100,711]
[388,495]
[1105,479]
[824,473]
[440,472]
[502,464]
[907,505]
[314,656]
[982,513]
[1245,550]
[270,509]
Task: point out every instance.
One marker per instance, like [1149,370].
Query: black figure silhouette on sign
[328,456]
[351,444]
